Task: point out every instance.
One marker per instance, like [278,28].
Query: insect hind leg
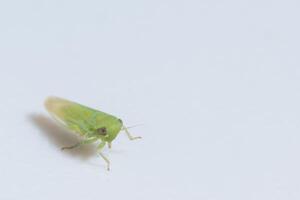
[86,141]
[71,147]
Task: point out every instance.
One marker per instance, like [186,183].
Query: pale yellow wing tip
[49,102]
[53,103]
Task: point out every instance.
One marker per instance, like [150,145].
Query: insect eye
[102,131]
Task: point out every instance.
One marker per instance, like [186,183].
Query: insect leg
[100,147]
[86,141]
[71,147]
[129,135]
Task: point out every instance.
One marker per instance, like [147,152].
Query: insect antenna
[129,127]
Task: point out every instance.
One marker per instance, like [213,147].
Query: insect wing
[74,116]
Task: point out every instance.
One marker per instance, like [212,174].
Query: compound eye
[102,131]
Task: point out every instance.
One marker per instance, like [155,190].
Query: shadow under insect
[61,137]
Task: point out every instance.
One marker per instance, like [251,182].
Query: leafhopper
[91,124]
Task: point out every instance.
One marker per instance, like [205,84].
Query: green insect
[91,124]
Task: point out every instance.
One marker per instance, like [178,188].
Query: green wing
[76,117]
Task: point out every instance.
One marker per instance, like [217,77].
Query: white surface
[216,84]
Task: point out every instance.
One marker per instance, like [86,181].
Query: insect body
[92,124]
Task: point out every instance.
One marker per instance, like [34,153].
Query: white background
[215,83]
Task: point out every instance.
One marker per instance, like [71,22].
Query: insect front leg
[86,141]
[129,135]
[100,147]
